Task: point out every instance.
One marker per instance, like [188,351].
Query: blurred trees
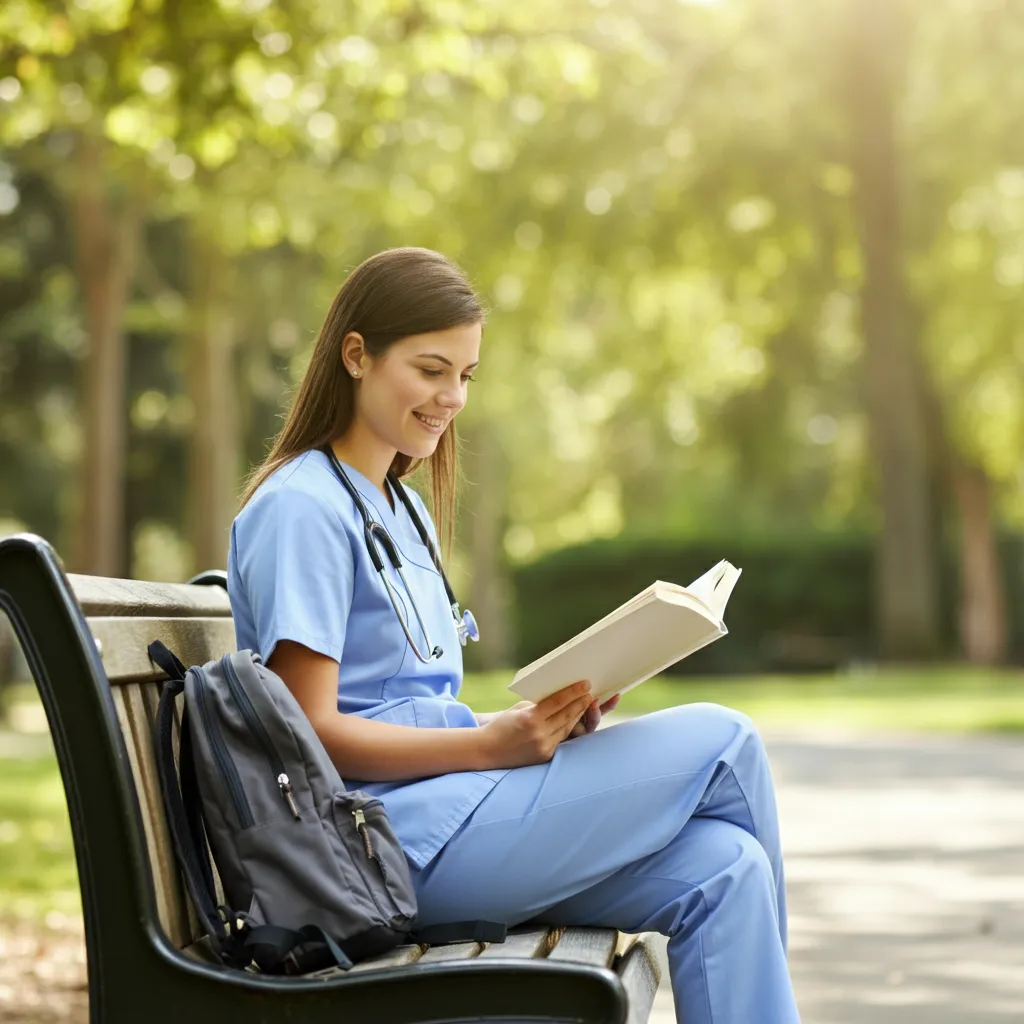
[752,268]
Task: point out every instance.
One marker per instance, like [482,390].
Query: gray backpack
[312,872]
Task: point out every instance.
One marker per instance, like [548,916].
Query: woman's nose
[453,396]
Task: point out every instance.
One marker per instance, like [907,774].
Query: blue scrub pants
[664,823]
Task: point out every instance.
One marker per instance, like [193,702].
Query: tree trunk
[485,526]
[983,628]
[907,599]
[212,382]
[105,243]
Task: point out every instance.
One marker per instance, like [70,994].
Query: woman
[665,822]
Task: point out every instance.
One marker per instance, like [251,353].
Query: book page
[716,585]
[723,591]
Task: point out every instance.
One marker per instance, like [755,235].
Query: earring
[355,373]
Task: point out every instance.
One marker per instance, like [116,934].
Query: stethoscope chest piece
[466,626]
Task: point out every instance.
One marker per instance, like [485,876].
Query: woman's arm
[362,748]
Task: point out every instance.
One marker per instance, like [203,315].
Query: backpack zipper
[225,765]
[364,834]
[259,730]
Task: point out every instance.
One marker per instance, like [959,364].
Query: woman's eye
[466,377]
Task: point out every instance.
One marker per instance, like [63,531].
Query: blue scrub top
[298,569]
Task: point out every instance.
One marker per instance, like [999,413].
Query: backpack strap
[193,803]
[183,823]
[164,658]
[276,950]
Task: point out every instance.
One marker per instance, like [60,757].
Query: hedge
[802,604]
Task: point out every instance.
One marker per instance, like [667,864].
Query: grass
[37,861]
[37,868]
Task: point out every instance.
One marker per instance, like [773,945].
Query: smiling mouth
[432,423]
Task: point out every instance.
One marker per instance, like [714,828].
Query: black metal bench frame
[134,971]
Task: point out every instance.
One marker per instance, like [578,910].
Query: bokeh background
[755,273]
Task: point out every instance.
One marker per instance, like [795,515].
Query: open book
[660,626]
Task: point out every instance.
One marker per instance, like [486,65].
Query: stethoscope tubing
[374,532]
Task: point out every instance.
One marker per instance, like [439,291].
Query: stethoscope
[374,532]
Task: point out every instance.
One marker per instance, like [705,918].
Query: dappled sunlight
[906,889]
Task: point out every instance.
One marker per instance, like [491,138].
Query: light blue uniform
[665,822]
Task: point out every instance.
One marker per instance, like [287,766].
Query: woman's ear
[353,353]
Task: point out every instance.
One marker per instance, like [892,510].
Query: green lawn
[37,871]
[37,861]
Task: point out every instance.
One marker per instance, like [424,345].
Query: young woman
[665,822]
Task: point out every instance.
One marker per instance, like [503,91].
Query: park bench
[85,640]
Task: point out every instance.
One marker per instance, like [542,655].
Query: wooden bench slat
[640,974]
[530,942]
[123,643]
[397,957]
[586,945]
[100,595]
[456,951]
[135,728]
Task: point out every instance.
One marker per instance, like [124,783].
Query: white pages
[660,626]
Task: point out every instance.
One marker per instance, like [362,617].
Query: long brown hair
[390,296]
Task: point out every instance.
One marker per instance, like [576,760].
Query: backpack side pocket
[363,827]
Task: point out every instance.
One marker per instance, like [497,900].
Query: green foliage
[40,343]
[655,199]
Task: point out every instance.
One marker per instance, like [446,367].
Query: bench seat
[85,639]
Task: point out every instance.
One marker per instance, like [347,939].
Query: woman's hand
[529,733]
[592,717]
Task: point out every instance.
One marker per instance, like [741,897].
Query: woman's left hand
[592,718]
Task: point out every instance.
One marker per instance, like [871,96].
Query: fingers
[562,723]
[588,723]
[610,704]
[561,699]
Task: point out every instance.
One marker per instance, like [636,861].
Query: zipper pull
[363,831]
[286,791]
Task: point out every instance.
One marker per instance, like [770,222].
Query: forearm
[362,748]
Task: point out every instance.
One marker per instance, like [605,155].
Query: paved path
[905,863]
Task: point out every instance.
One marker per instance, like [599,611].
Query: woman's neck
[367,455]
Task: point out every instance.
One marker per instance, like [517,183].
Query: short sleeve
[295,563]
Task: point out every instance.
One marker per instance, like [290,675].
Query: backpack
[312,872]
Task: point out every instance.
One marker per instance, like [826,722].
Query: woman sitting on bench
[666,822]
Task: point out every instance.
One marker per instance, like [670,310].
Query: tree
[907,582]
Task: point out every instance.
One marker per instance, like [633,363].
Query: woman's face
[409,394]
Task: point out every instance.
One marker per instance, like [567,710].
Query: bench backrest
[125,616]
